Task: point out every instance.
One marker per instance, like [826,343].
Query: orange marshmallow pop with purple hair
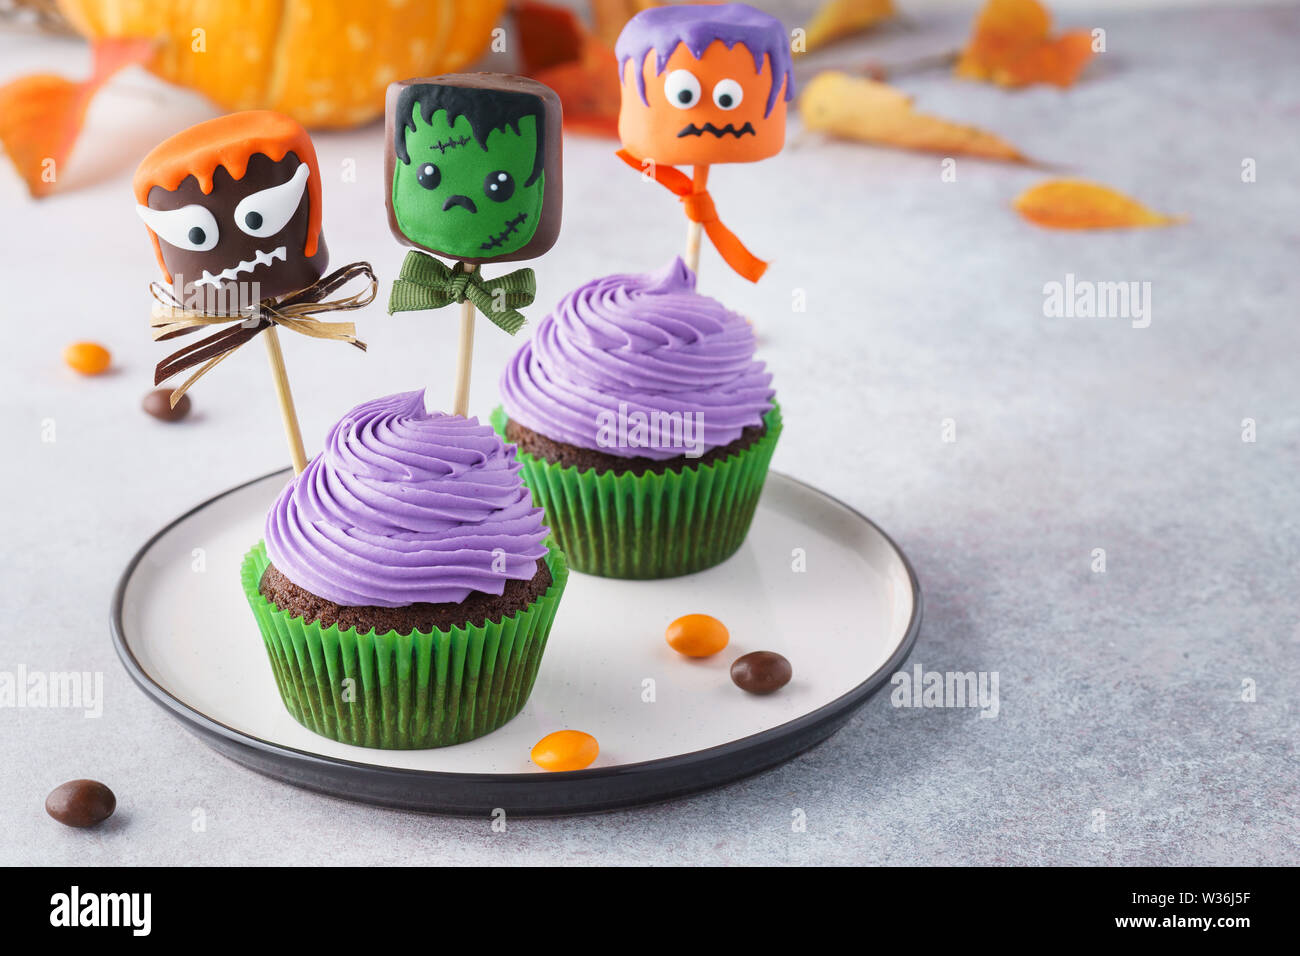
[703,84]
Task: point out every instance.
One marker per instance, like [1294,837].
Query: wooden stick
[292,432]
[465,355]
[693,229]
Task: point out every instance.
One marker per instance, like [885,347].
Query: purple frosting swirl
[406,506]
[647,347]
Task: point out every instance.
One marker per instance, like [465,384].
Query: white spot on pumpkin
[357,37]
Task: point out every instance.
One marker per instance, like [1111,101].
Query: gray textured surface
[1120,692]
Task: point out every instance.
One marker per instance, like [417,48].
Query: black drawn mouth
[443,145]
[463,201]
[512,226]
[719,131]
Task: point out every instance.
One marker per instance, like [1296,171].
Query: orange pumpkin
[326,63]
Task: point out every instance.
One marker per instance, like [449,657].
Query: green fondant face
[462,200]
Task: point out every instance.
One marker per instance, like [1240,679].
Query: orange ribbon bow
[699,208]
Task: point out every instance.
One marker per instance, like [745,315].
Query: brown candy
[81,803]
[761,672]
[158,404]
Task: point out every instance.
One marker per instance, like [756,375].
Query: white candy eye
[728,94]
[266,212]
[682,89]
[190,227]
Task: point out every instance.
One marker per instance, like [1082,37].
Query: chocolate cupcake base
[403,690]
[648,523]
[574,456]
[476,609]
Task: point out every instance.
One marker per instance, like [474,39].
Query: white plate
[667,725]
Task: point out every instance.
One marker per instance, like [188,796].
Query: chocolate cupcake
[644,424]
[405,588]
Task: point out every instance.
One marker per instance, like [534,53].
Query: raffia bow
[294,312]
[429,283]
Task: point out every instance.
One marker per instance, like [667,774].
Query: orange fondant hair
[230,141]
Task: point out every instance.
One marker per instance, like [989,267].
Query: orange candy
[88,358]
[697,635]
[565,750]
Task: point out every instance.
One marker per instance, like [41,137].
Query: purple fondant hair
[696,26]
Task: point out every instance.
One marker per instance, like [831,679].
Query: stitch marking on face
[505,234]
[447,144]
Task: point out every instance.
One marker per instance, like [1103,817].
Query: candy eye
[190,227]
[428,176]
[499,186]
[267,211]
[682,89]
[728,94]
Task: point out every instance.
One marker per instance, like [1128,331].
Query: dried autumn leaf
[1010,46]
[36,145]
[42,115]
[862,109]
[1079,204]
[588,91]
[582,70]
[837,19]
[548,36]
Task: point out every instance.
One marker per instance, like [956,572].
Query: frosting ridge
[644,347]
[406,506]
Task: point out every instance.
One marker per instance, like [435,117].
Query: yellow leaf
[857,108]
[836,19]
[1078,204]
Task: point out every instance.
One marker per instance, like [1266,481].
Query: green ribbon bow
[428,283]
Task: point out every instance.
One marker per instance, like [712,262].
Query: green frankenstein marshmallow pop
[472,175]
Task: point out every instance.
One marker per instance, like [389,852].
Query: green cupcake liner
[650,525]
[407,691]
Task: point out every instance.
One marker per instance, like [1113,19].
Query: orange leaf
[862,109]
[548,36]
[1010,46]
[1078,204]
[837,19]
[581,69]
[588,90]
[42,115]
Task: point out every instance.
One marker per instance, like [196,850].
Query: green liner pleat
[651,525]
[410,691]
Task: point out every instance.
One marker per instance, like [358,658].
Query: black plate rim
[524,794]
